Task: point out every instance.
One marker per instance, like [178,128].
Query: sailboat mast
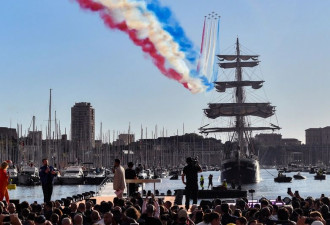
[239,99]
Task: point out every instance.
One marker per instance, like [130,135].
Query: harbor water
[265,188]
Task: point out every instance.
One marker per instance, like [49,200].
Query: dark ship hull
[244,171]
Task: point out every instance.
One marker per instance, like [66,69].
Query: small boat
[12,172]
[28,175]
[95,176]
[281,178]
[174,177]
[73,175]
[319,177]
[298,176]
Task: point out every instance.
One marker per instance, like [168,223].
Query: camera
[289,190]
[192,160]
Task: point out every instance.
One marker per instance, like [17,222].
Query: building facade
[82,131]
[318,136]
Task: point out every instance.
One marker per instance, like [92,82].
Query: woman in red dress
[4,182]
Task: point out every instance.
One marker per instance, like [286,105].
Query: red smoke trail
[146,45]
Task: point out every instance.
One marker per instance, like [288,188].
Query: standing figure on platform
[119,184]
[210,181]
[47,174]
[201,182]
[4,182]
[191,172]
[130,174]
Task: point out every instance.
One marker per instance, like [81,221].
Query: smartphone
[6,219]
[289,190]
[296,192]
[279,198]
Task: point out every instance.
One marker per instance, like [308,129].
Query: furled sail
[238,64]
[216,110]
[234,57]
[235,129]
[221,86]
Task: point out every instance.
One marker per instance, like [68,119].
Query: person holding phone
[47,174]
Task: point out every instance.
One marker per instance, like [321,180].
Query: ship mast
[239,99]
[238,109]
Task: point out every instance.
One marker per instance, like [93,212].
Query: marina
[266,187]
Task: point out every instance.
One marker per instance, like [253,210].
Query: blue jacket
[46,178]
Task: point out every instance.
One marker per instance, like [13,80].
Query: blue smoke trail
[172,26]
[217,52]
[209,85]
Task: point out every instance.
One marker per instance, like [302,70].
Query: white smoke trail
[214,43]
[205,71]
[137,17]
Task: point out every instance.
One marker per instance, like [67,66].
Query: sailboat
[240,164]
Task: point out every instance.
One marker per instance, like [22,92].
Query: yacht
[28,175]
[95,176]
[73,175]
[12,173]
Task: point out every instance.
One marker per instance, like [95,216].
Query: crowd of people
[135,209]
[139,210]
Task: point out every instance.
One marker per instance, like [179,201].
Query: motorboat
[320,175]
[281,178]
[28,175]
[95,176]
[174,177]
[13,175]
[298,176]
[73,175]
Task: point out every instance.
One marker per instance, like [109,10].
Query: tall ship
[239,163]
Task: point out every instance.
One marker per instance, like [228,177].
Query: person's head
[283,214]
[252,222]
[66,221]
[132,213]
[4,165]
[95,216]
[316,215]
[45,162]
[89,205]
[182,215]
[130,165]
[150,210]
[117,162]
[238,213]
[214,218]
[241,221]
[78,219]
[107,217]
[11,208]
[73,207]
[48,206]
[54,218]
[168,204]
[224,208]
[82,207]
[40,220]
[25,212]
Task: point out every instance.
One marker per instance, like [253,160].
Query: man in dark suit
[47,174]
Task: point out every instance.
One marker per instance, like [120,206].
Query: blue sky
[55,44]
